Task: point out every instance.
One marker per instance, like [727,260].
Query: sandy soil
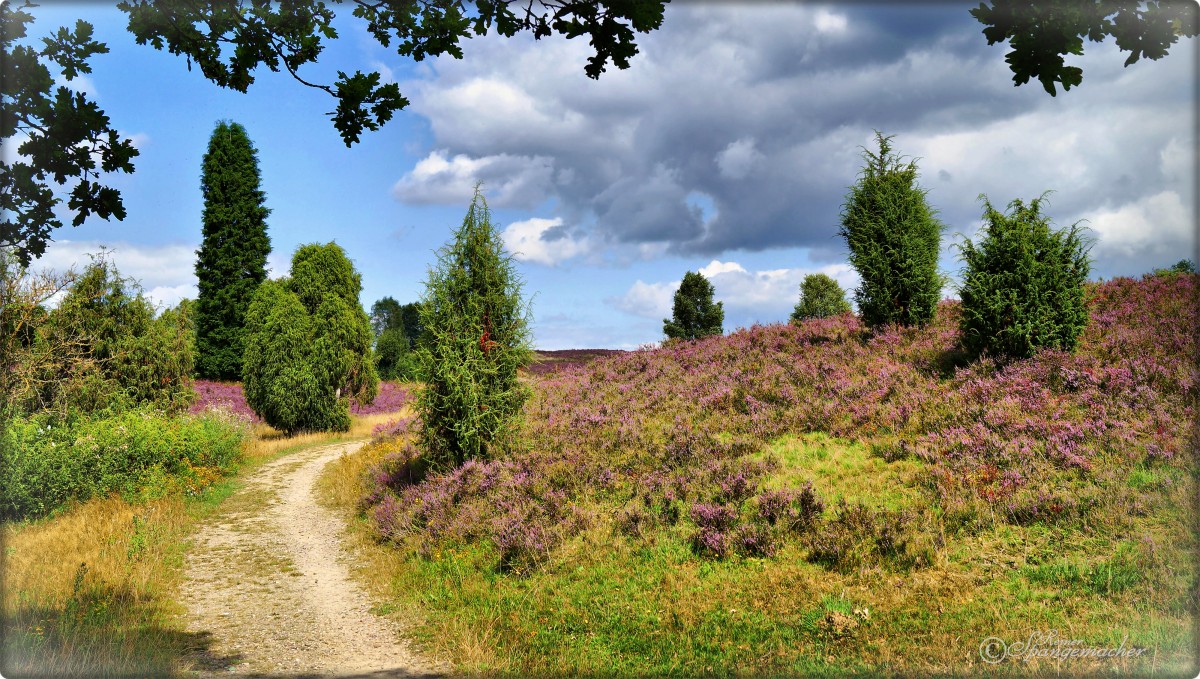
[268,586]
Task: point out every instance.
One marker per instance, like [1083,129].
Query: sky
[727,148]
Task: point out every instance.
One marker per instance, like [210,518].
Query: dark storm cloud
[763,108]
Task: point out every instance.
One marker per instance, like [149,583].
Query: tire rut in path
[268,586]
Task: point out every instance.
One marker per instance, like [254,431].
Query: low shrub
[138,453]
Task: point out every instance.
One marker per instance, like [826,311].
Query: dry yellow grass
[267,442]
[88,592]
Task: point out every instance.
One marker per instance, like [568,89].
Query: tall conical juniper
[474,338]
[894,237]
[232,259]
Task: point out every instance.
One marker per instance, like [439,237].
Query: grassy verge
[606,603]
[91,591]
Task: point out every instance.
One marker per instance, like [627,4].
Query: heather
[552,361]
[392,397]
[704,476]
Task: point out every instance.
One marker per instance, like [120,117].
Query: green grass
[840,470]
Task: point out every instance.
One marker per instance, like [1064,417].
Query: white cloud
[828,22]
[648,300]
[1178,162]
[739,158]
[719,103]
[767,295]
[80,83]
[164,297]
[140,140]
[747,296]
[509,181]
[10,155]
[716,267]
[1154,228]
[278,264]
[386,75]
[166,273]
[542,241]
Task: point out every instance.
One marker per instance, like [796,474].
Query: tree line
[1022,287]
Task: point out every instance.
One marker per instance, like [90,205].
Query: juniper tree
[308,344]
[1023,285]
[894,238]
[474,338]
[232,259]
[820,297]
[693,313]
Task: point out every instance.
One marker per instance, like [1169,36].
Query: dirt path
[268,585]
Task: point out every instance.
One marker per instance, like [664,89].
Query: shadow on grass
[103,632]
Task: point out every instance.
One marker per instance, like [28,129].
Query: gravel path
[268,588]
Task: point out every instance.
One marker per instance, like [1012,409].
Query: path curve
[268,588]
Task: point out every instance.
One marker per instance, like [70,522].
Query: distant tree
[1023,285]
[26,354]
[475,337]
[186,311]
[410,322]
[1183,266]
[232,260]
[894,238]
[391,350]
[820,297]
[694,314]
[397,330]
[385,314]
[1042,32]
[308,344]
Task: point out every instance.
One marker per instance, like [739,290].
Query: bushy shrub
[475,337]
[693,313]
[308,345]
[894,239]
[102,348]
[1023,285]
[49,462]
[820,297]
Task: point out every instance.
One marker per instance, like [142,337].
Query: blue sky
[727,148]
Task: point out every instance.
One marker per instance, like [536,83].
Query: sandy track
[268,587]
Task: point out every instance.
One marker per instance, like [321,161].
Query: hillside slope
[821,498]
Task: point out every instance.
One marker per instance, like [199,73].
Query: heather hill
[819,497]
[547,361]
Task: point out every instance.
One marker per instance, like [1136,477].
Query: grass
[92,591]
[610,605]
[840,470]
